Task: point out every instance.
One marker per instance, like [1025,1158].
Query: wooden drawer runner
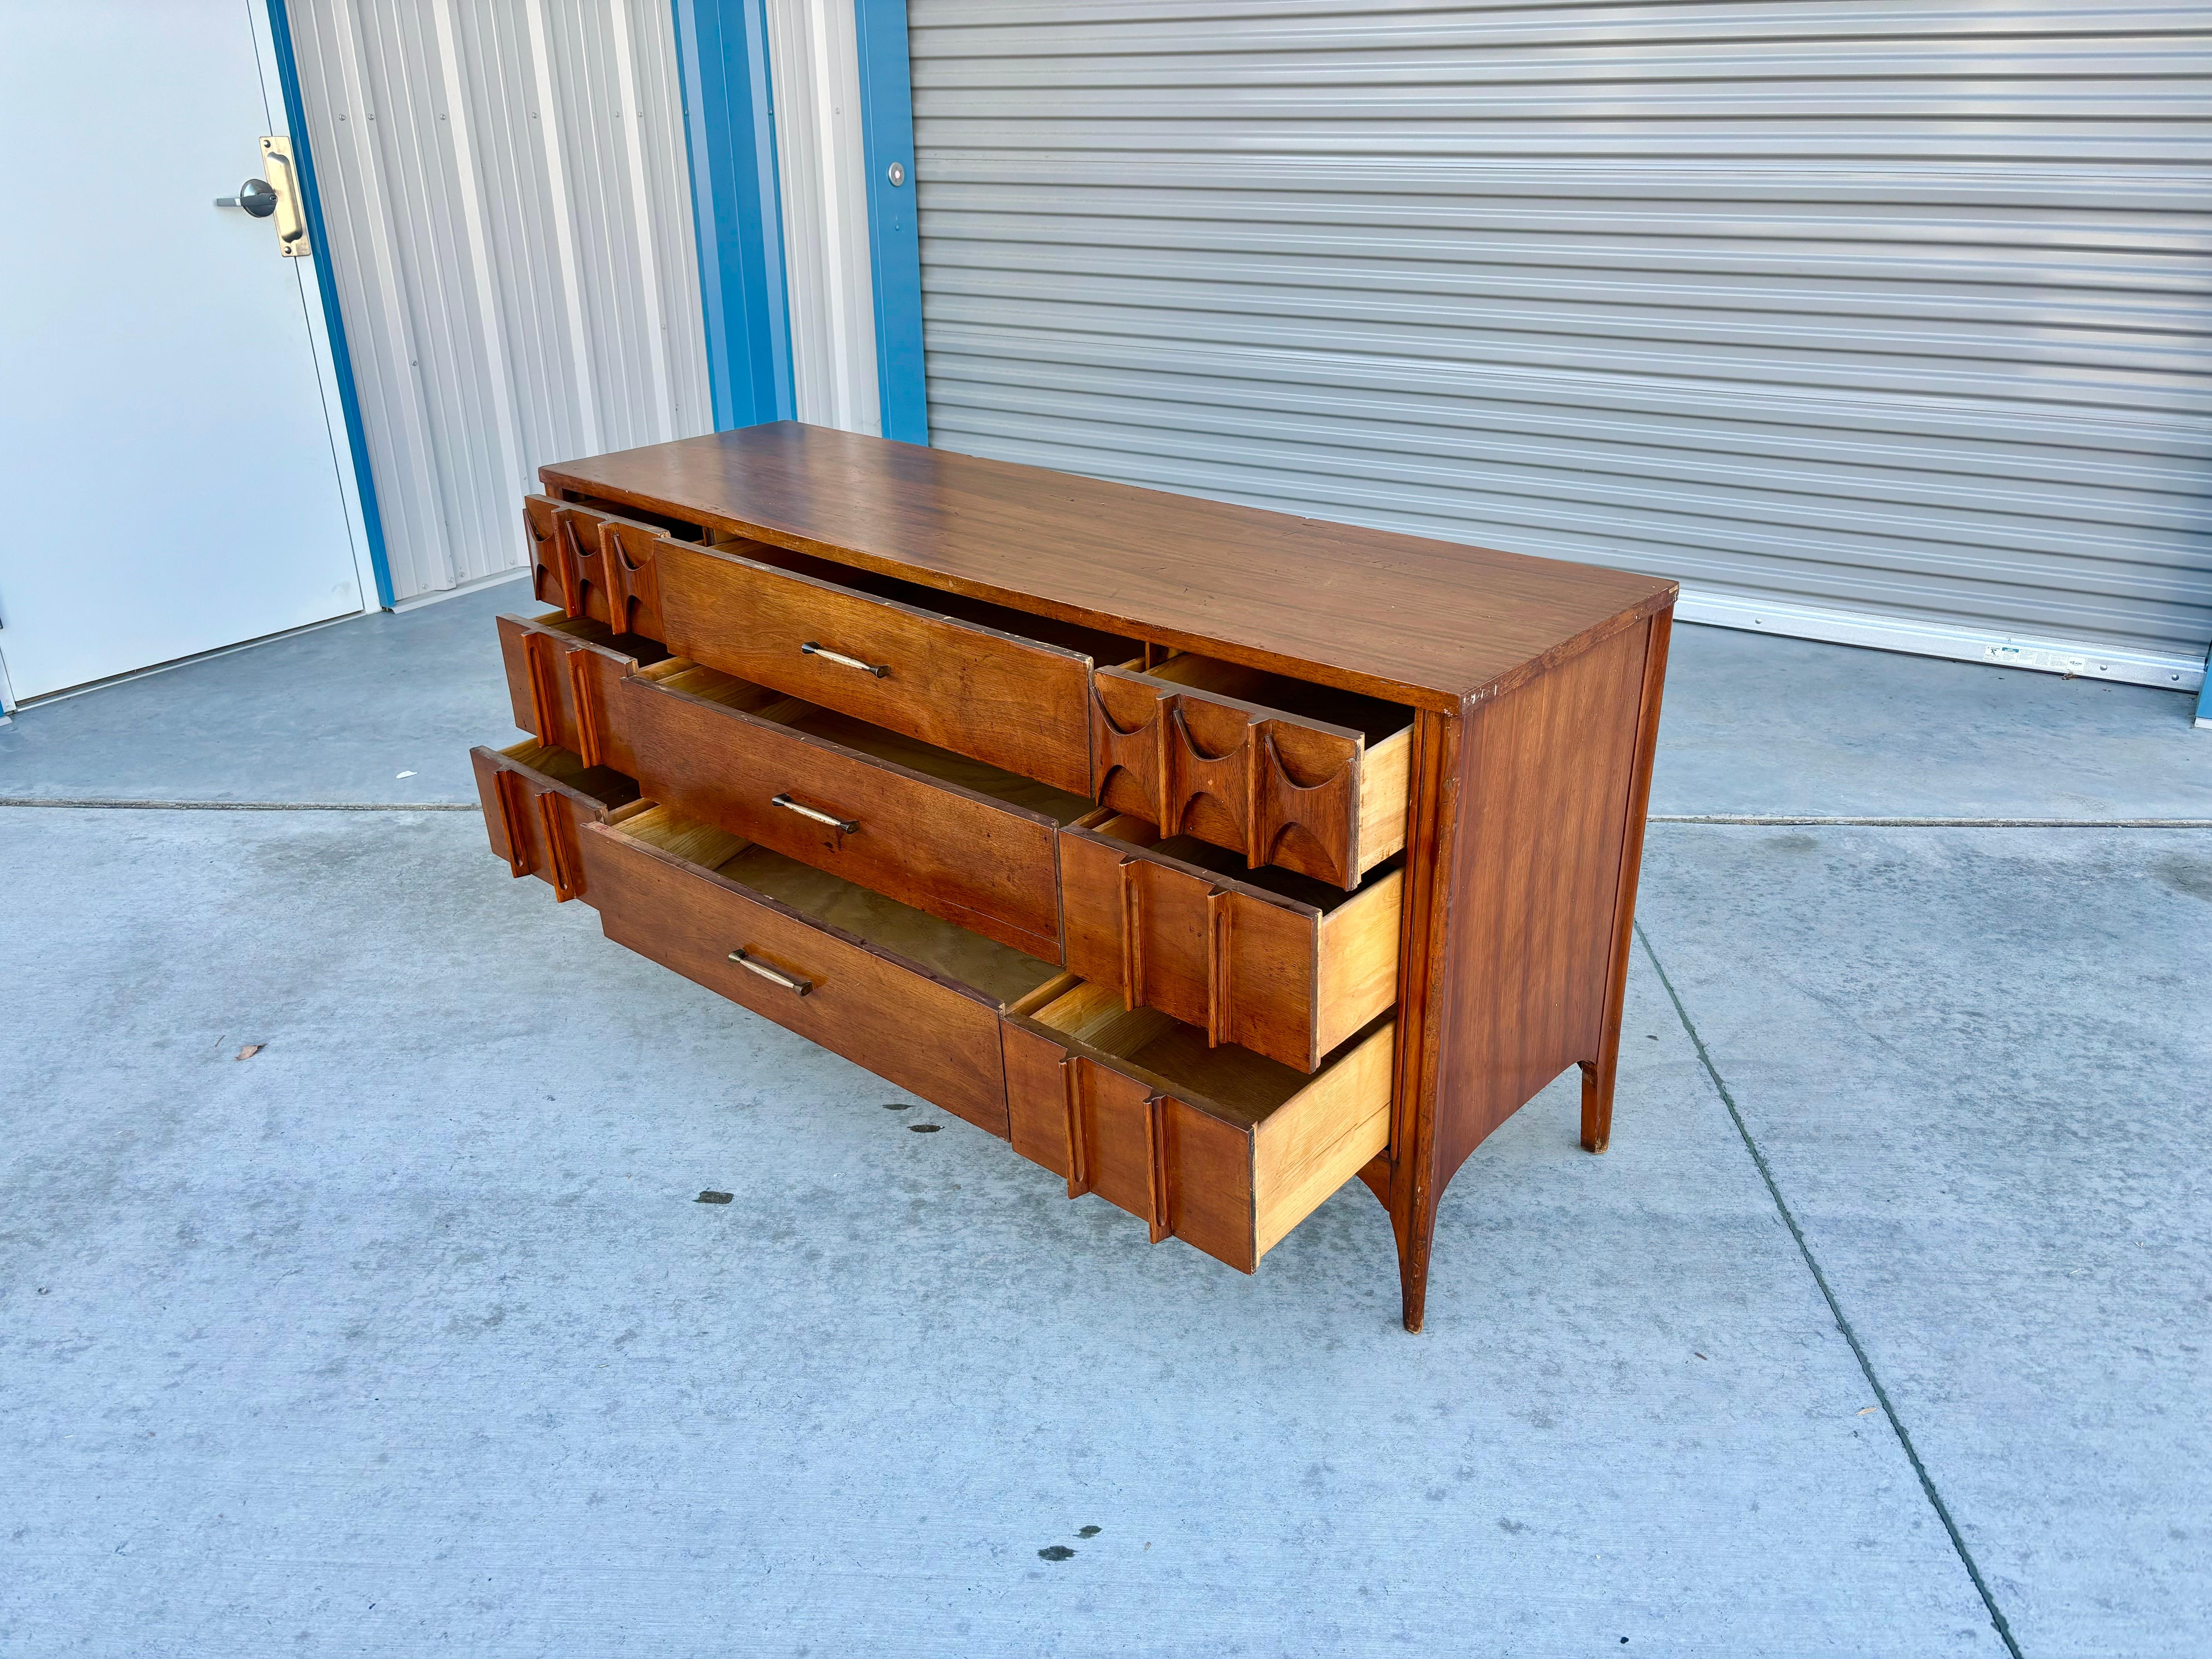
[596,565]
[1014,701]
[910,997]
[1217,1148]
[560,678]
[1277,962]
[1303,776]
[887,812]
[536,800]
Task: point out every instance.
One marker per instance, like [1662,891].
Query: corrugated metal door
[1883,320]
[508,203]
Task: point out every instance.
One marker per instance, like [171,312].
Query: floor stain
[1054,1553]
[712,1197]
[923,1128]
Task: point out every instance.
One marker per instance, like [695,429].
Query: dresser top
[1404,617]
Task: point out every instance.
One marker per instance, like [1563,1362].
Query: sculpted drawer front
[536,800]
[890,1014]
[768,768]
[1287,773]
[1217,1148]
[1280,964]
[596,566]
[1014,701]
[560,679]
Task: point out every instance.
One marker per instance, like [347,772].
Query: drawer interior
[997,970]
[1379,719]
[875,741]
[646,652]
[1236,1083]
[1140,834]
[1095,643]
[610,789]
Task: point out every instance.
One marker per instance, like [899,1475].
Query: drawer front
[1014,702]
[1279,789]
[563,689]
[1220,1181]
[534,821]
[988,867]
[937,1040]
[594,564]
[1239,964]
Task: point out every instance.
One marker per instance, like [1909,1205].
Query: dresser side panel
[1546,782]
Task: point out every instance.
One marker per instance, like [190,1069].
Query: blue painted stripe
[894,233]
[721,49]
[2204,697]
[295,119]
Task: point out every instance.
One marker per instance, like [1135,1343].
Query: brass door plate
[283,176]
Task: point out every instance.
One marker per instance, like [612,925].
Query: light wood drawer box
[1287,773]
[1275,962]
[911,998]
[536,800]
[1018,701]
[1217,1148]
[958,838]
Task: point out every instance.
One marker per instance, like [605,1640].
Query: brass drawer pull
[801,986]
[811,649]
[843,826]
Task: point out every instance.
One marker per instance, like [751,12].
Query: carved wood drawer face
[561,679]
[536,800]
[910,997]
[594,565]
[957,838]
[1289,774]
[1016,701]
[1280,964]
[1217,1148]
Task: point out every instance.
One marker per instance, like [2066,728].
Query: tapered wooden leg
[1414,1224]
[1597,1100]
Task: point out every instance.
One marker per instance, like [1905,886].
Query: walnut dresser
[1209,856]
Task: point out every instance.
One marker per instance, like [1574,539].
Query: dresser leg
[1597,1099]
[1413,1224]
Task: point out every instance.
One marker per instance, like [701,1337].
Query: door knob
[257,196]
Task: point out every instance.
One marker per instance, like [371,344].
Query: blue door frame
[721,50]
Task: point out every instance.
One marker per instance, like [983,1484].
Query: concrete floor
[408,1331]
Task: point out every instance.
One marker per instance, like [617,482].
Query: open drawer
[1287,773]
[911,997]
[980,681]
[959,838]
[561,672]
[599,565]
[536,797]
[1216,1146]
[1275,962]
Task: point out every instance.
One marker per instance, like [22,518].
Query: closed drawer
[596,565]
[957,838]
[1013,699]
[536,800]
[560,678]
[1302,776]
[912,998]
[1216,1146]
[1280,963]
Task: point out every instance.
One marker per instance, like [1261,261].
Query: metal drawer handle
[843,826]
[801,986]
[811,649]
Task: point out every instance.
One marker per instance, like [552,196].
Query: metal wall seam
[501,176]
[1883,319]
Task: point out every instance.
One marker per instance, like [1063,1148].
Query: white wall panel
[1877,319]
[507,194]
[814,63]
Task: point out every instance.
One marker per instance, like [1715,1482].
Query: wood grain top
[1423,621]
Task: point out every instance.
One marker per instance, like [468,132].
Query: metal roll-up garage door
[1883,320]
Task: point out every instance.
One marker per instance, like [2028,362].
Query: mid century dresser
[1212,857]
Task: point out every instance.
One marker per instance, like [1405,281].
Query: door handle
[290,206]
[255,195]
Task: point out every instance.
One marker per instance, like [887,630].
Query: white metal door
[171,481]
